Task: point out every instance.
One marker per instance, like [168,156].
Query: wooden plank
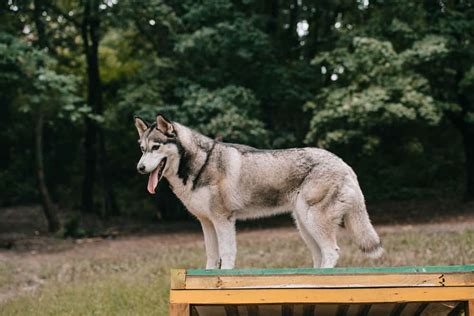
[287,310]
[308,310]
[398,309]
[329,281]
[350,295]
[178,279]
[364,310]
[458,310]
[421,309]
[179,309]
[405,269]
[342,310]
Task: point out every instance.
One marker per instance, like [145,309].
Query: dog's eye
[155,147]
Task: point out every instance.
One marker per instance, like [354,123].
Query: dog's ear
[140,125]
[165,126]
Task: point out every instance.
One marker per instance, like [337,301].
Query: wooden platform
[340,291]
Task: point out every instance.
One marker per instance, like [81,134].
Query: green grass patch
[7,271]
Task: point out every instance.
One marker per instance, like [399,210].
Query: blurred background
[386,85]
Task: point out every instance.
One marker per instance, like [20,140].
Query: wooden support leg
[179,310]
[470,308]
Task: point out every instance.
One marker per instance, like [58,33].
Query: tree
[444,54]
[388,86]
[86,20]
[372,92]
[49,208]
[42,92]
[387,72]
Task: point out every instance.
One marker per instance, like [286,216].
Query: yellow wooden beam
[349,295]
[329,281]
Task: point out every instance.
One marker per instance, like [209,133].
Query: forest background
[387,85]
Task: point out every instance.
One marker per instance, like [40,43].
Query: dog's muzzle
[141,168]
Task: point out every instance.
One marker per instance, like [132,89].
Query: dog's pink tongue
[153,181]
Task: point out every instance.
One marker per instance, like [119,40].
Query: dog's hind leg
[225,229]
[210,240]
[323,229]
[309,241]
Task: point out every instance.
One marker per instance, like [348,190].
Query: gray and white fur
[220,183]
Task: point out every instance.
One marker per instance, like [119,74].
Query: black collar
[198,175]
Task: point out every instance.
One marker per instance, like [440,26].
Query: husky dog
[222,182]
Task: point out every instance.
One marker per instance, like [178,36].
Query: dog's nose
[141,168]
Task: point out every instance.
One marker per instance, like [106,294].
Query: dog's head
[158,143]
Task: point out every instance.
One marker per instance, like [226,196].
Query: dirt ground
[26,249]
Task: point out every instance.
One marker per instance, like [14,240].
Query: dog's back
[316,186]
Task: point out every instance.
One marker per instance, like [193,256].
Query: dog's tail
[358,224]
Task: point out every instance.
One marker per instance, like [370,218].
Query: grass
[7,271]
[130,276]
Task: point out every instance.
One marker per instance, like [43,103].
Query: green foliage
[37,83]
[427,49]
[397,78]
[373,90]
[218,53]
[239,36]
[30,83]
[228,113]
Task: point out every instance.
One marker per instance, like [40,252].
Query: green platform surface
[406,269]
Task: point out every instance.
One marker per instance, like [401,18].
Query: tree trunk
[89,167]
[110,205]
[467,133]
[468,141]
[292,42]
[90,142]
[94,144]
[49,209]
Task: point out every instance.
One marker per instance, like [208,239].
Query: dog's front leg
[225,229]
[210,240]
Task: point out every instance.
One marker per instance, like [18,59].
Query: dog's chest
[197,201]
